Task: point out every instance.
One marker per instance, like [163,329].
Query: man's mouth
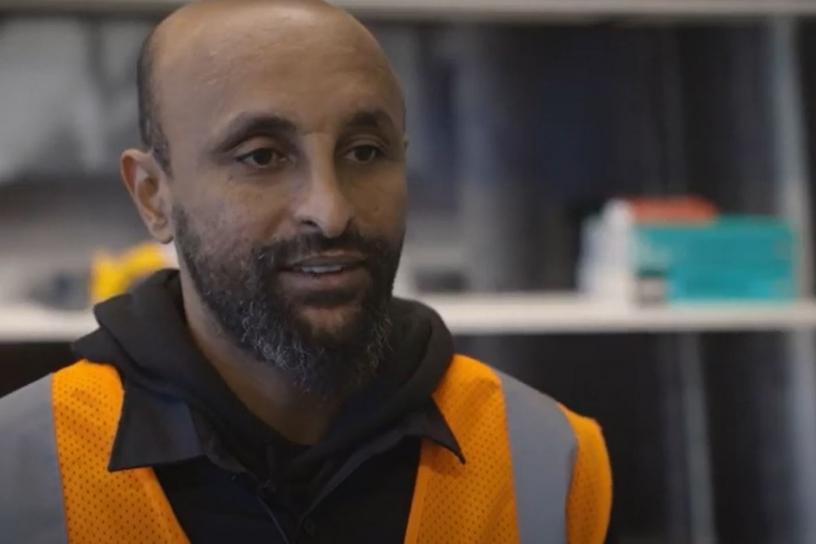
[320,270]
[323,264]
[328,273]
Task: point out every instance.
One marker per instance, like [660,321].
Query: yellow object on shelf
[113,275]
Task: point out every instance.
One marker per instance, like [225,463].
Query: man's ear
[147,184]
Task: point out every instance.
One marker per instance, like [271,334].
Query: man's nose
[323,205]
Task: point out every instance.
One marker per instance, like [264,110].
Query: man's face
[288,184]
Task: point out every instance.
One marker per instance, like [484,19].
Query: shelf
[538,313]
[29,323]
[499,314]
[521,10]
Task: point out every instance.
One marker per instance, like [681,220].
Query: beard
[241,289]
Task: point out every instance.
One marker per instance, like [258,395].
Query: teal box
[734,258]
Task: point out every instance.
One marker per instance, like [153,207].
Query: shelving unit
[757,74]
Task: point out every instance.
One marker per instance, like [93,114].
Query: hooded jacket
[215,448]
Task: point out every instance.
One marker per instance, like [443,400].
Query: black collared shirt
[227,476]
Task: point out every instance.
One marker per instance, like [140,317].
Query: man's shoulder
[465,368]
[85,370]
[81,374]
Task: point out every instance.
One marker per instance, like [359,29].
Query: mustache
[282,253]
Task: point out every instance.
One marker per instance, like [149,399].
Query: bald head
[285,128]
[210,28]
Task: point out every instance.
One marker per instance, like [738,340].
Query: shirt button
[309,527]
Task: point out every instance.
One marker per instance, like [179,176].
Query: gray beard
[255,317]
[325,372]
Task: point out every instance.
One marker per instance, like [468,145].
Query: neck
[262,388]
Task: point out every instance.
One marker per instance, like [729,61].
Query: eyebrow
[377,119]
[245,125]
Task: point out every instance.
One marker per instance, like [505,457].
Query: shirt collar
[431,424]
[153,430]
[156,429]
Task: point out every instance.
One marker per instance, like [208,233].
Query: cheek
[381,206]
[213,232]
[234,213]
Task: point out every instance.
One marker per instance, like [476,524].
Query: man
[273,390]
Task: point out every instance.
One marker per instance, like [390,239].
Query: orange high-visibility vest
[534,471]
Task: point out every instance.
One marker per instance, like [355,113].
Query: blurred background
[610,199]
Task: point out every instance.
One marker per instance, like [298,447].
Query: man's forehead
[212,29]
[258,50]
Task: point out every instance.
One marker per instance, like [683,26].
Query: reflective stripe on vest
[518,445]
[542,446]
[31,505]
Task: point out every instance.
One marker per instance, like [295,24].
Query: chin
[337,323]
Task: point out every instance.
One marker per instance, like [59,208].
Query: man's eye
[364,154]
[262,158]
